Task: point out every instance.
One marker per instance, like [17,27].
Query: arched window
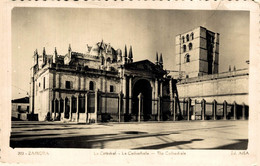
[187,37]
[91,85]
[183,39]
[109,60]
[191,36]
[187,58]
[190,46]
[184,48]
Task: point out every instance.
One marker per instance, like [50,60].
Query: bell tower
[197,53]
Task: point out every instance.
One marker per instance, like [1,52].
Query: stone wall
[230,86]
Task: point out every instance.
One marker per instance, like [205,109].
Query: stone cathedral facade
[104,83]
[82,87]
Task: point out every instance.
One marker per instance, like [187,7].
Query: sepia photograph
[129,79]
[130,82]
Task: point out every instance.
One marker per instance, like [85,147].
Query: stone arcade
[104,84]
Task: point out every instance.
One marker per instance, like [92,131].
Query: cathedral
[90,86]
[105,84]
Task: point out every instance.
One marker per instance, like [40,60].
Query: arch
[109,59]
[184,48]
[142,86]
[91,85]
[183,39]
[81,104]
[192,35]
[187,58]
[56,102]
[190,46]
[187,37]
[61,105]
[67,108]
[74,104]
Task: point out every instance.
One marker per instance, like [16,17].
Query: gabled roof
[145,65]
[21,100]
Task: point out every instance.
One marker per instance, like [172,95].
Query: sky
[147,30]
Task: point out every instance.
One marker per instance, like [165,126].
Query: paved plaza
[145,135]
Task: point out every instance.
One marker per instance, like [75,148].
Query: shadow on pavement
[68,128]
[134,132]
[166,145]
[32,135]
[88,141]
[240,145]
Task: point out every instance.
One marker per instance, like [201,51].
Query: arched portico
[144,87]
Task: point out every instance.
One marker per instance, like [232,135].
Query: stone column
[96,105]
[235,111]
[140,108]
[159,109]
[78,82]
[120,95]
[56,81]
[171,96]
[194,110]
[161,89]
[225,110]
[54,102]
[156,89]
[203,105]
[130,95]
[214,109]
[175,108]
[183,106]
[70,114]
[59,81]
[50,104]
[32,90]
[243,111]
[156,96]
[84,83]
[64,107]
[125,94]
[59,111]
[189,108]
[86,107]
[77,112]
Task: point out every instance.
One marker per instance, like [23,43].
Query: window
[19,108]
[43,82]
[183,39]
[184,48]
[190,46]
[187,37]
[68,85]
[192,36]
[187,58]
[39,84]
[112,88]
[109,60]
[91,85]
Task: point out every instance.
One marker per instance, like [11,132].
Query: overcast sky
[147,31]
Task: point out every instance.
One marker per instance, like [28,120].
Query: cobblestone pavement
[144,135]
